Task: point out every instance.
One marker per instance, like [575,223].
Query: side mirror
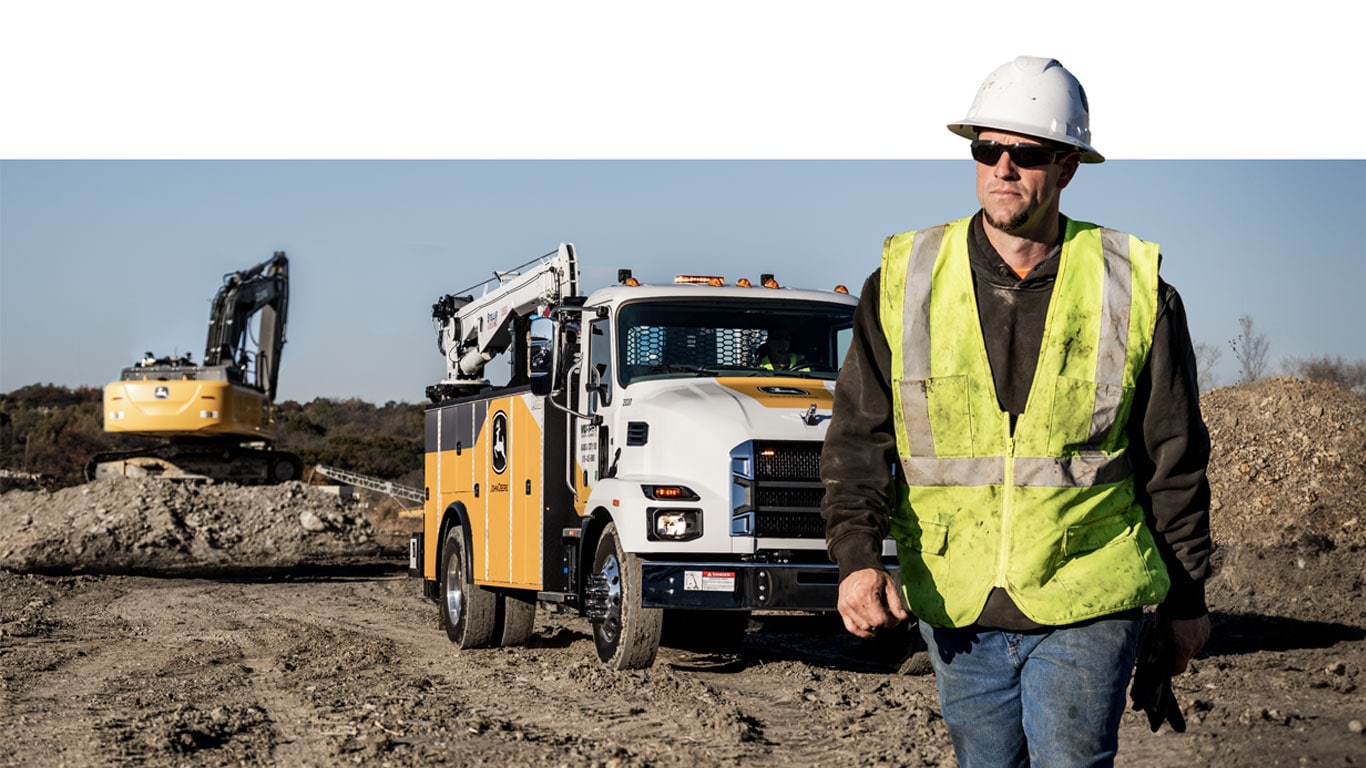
[543,360]
[542,384]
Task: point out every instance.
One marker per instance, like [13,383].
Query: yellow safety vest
[1046,513]
[766,362]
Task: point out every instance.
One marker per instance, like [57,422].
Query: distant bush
[53,431]
[1333,370]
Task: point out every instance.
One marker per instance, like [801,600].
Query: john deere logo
[500,442]
[785,391]
[161,393]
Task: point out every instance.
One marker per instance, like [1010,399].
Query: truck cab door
[594,393]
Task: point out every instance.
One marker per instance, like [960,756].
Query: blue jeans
[1052,698]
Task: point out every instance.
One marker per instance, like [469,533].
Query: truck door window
[843,337]
[600,358]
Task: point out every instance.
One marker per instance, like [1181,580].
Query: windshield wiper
[683,369]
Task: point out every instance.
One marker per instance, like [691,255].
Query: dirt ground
[162,624]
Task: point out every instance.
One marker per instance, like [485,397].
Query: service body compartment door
[511,445]
[448,471]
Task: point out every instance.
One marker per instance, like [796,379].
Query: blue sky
[399,157]
[103,260]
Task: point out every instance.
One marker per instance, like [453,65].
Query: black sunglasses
[1023,155]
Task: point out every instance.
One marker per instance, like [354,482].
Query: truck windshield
[671,338]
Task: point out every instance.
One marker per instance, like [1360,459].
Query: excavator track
[220,463]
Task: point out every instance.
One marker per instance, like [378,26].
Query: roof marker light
[699,280]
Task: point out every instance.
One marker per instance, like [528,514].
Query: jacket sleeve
[860,445]
[1169,447]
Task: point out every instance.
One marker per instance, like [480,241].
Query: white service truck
[651,463]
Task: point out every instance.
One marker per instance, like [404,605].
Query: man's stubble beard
[1010,225]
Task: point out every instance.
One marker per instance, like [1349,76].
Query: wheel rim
[611,624]
[455,589]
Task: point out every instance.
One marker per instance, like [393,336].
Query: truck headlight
[675,524]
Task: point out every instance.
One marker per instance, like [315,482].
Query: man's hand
[870,598]
[1183,639]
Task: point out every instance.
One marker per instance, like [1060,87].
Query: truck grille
[792,462]
[777,491]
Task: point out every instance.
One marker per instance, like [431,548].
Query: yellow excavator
[213,420]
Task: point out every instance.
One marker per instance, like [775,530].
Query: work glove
[1151,691]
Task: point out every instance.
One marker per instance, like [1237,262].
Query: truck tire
[518,618]
[628,636]
[469,613]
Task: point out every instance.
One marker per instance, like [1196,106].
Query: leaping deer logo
[499,449]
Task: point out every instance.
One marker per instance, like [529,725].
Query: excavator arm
[263,288]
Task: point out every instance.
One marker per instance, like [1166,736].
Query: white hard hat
[1035,97]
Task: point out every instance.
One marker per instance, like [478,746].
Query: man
[776,352]
[1019,409]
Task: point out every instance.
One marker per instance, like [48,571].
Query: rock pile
[155,526]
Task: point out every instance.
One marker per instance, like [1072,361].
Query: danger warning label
[709,581]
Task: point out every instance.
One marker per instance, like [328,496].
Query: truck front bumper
[740,586]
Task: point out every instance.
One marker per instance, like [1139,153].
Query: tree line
[52,431]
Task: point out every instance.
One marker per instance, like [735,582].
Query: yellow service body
[485,457]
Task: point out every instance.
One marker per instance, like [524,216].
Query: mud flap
[415,554]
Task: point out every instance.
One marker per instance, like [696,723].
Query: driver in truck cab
[776,352]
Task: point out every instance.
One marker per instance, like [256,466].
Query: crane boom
[473,330]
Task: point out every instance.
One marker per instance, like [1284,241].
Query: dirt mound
[1289,463]
[1287,473]
[152,526]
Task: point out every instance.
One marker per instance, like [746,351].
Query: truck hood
[702,420]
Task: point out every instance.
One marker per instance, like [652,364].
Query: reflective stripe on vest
[987,507]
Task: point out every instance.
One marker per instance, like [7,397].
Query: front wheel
[627,634]
[469,613]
